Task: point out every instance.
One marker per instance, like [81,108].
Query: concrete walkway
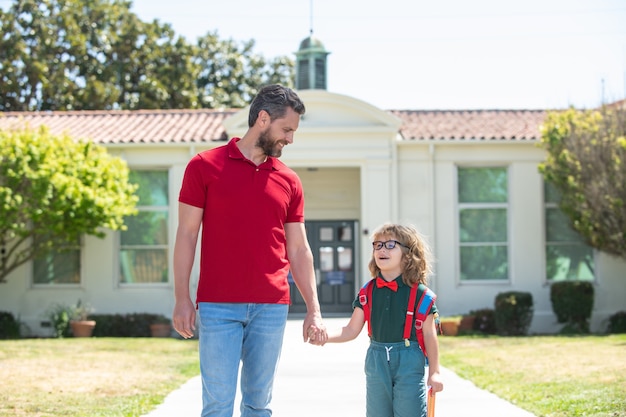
[329,381]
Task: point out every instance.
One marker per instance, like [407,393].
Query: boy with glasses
[401,335]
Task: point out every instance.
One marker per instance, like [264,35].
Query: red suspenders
[413,315]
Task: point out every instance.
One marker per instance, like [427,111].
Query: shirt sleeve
[295,213]
[193,190]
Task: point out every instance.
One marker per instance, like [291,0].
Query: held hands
[314,330]
[316,336]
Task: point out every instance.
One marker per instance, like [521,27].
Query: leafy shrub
[59,316]
[467,324]
[124,325]
[9,326]
[514,313]
[484,321]
[110,325]
[617,322]
[572,302]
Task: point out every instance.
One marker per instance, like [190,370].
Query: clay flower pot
[450,327]
[82,328]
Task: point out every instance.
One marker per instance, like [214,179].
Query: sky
[437,54]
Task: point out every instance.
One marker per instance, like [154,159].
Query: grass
[92,376]
[550,376]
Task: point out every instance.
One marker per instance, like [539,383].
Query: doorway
[334,247]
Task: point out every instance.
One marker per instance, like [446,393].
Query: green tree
[54,189]
[232,73]
[151,67]
[91,54]
[586,164]
[97,54]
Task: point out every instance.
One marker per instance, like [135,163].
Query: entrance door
[333,244]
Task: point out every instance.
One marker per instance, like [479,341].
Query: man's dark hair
[274,99]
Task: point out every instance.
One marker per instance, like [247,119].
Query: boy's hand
[434,381]
[317,336]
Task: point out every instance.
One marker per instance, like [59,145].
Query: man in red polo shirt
[251,209]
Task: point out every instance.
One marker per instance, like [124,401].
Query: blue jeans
[395,385]
[232,333]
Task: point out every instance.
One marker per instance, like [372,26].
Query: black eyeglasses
[389,244]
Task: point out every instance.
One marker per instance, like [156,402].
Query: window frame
[555,205]
[482,206]
[69,285]
[167,210]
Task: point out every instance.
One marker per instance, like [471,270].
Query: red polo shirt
[243,246]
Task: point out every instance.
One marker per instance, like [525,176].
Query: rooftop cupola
[311,65]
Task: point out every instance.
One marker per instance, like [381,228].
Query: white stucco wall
[427,174]
[353,165]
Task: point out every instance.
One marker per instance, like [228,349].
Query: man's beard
[270,147]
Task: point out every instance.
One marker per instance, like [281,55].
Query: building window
[483,223]
[144,245]
[58,267]
[567,255]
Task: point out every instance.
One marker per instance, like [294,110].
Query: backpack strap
[423,308]
[365,298]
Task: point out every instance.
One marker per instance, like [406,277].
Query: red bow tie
[393,285]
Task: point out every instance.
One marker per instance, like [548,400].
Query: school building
[468,180]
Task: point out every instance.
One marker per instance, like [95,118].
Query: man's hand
[184,318]
[314,330]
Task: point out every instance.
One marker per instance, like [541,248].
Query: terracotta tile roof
[205,125]
[470,125]
[129,127]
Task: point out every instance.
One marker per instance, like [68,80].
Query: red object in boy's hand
[430,404]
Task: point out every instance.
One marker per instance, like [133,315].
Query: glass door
[333,244]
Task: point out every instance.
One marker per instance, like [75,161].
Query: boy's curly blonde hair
[416,255]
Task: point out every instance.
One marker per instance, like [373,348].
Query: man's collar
[235,153]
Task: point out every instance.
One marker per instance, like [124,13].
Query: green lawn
[549,376]
[92,376]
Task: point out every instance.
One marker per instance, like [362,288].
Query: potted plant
[450,325]
[80,323]
[161,326]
